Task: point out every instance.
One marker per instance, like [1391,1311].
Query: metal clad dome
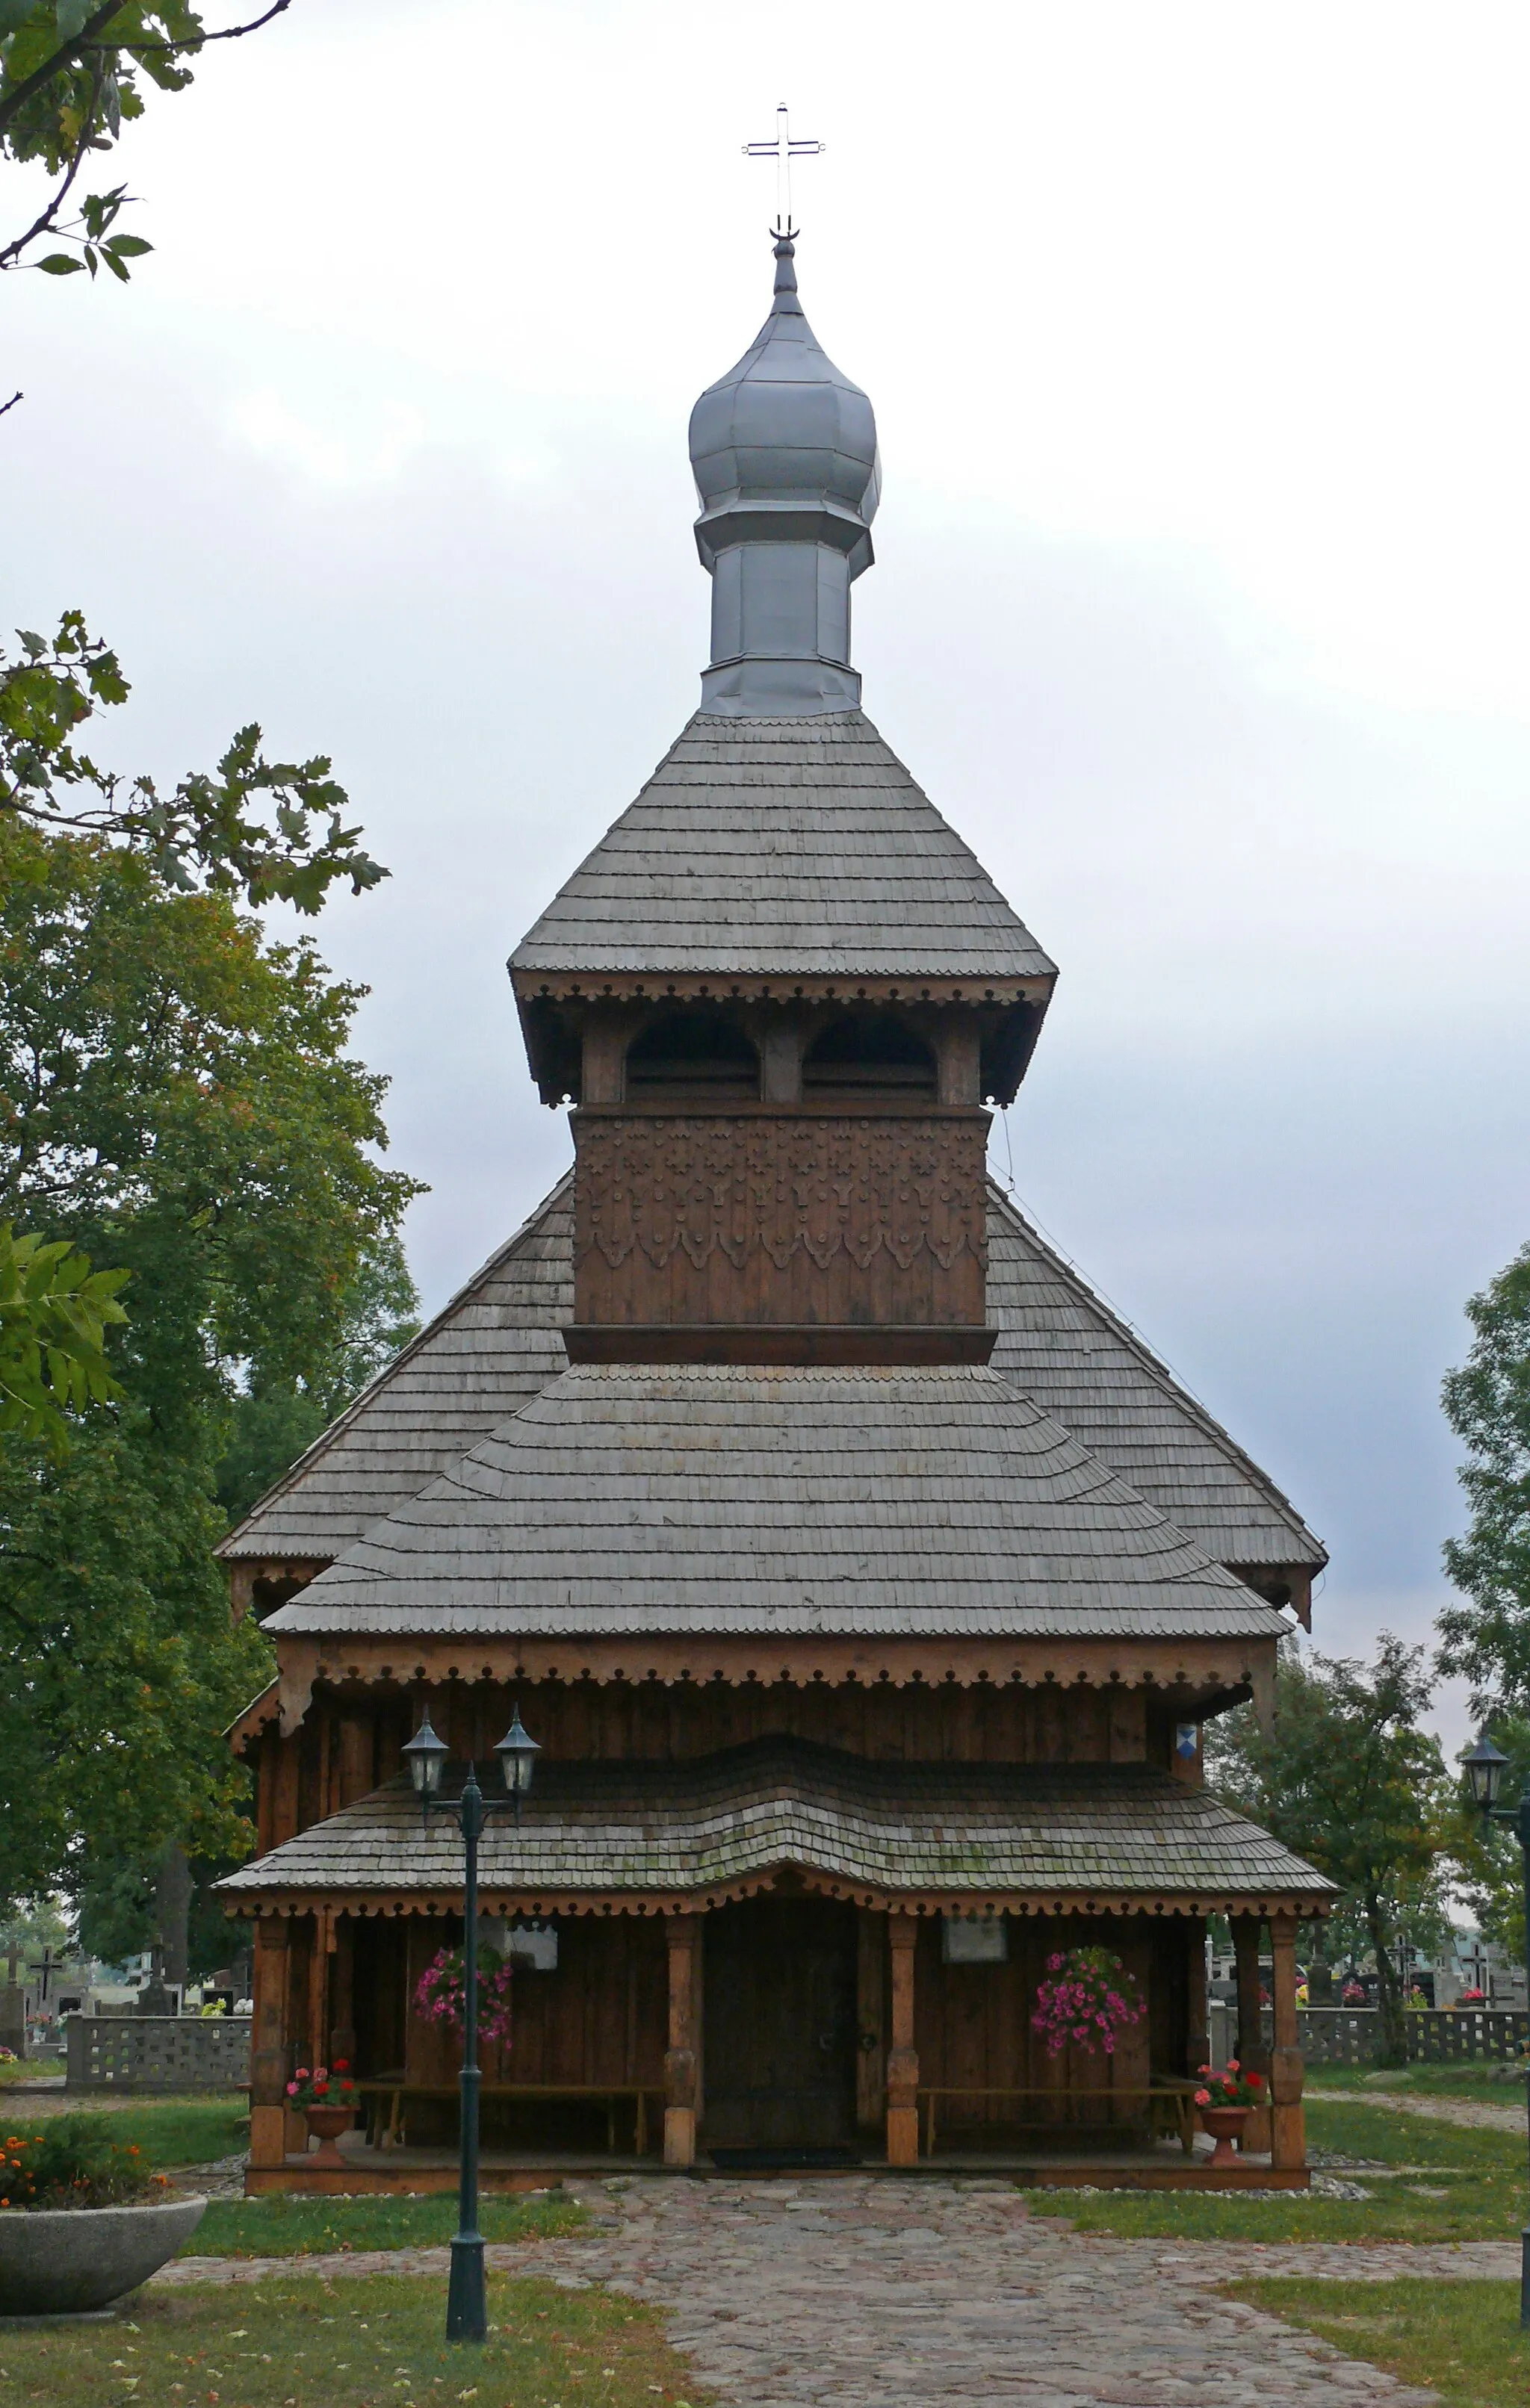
[786,424]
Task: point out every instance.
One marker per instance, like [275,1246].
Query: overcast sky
[1197,338]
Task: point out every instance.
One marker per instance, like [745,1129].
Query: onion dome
[783,453]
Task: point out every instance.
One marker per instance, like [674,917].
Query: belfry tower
[781,989]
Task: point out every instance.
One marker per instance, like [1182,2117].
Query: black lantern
[517,1753]
[426,1757]
[466,2304]
[1484,1766]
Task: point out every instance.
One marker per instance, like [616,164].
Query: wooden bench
[396,2088]
[1170,2099]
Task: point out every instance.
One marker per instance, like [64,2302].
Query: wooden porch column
[322,1944]
[903,2058]
[871,2020]
[269,2060]
[342,1988]
[1288,2117]
[681,2067]
[1197,2033]
[1252,2054]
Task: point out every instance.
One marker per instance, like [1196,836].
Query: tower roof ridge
[750,851]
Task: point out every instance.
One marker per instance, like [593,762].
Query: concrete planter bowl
[66,2261]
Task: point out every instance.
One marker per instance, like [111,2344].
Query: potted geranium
[1226,2102]
[326,2098]
[1087,2001]
[82,2218]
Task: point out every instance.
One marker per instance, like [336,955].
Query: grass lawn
[295,2344]
[168,2131]
[292,2226]
[1469,2081]
[1462,2337]
[1461,2184]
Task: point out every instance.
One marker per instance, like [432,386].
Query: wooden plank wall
[973,2025]
[601,2017]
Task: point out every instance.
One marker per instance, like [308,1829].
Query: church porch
[774,1957]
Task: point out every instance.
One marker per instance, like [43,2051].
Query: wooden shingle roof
[780,848]
[494,1344]
[498,1343]
[704,1828]
[744,1499]
[1062,1346]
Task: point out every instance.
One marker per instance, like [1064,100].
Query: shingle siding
[1061,1346]
[673,1828]
[626,1497]
[496,1343]
[768,847]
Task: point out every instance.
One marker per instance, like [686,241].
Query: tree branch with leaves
[264,830]
[1348,1779]
[71,76]
[54,1315]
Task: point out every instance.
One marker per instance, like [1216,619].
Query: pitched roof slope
[497,1341]
[1110,1831]
[494,1345]
[1064,1348]
[768,846]
[702,1497]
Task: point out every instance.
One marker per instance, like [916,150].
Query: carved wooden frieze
[791,1216]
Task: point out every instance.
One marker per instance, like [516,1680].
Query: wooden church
[863,1579]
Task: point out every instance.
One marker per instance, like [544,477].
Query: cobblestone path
[856,2294]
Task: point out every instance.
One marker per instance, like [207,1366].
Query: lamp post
[1484,1766]
[427,1755]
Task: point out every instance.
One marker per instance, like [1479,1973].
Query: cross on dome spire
[783,150]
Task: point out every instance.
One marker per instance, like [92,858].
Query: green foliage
[276,1423]
[116,1900]
[1350,1781]
[34,1925]
[268,1434]
[55,1315]
[179,1102]
[1486,1639]
[98,247]
[67,66]
[263,830]
[73,2162]
[1496,1888]
[72,76]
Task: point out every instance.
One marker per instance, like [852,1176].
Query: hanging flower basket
[439,1991]
[1087,2001]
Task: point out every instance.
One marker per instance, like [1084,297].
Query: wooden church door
[779,2024]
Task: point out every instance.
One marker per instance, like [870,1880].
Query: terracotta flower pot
[328,2123]
[1225,2125]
